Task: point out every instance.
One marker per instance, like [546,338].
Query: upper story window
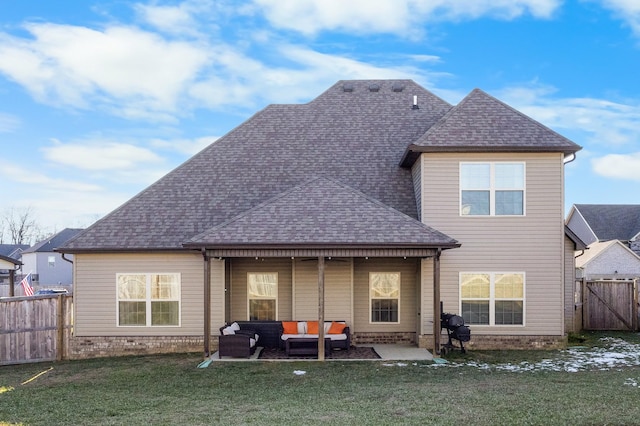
[148,300]
[51,261]
[492,189]
[263,295]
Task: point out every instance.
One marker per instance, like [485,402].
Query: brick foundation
[108,346]
[361,338]
[484,342]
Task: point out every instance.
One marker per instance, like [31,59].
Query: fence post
[61,326]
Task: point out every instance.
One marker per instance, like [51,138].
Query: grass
[167,390]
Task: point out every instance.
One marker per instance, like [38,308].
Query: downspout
[207,303]
[64,258]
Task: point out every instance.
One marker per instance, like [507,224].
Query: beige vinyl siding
[533,243]
[240,267]
[95,299]
[408,308]
[337,289]
[416,173]
[426,300]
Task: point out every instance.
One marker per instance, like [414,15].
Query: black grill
[456,330]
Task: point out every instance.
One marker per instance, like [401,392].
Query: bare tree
[20,225]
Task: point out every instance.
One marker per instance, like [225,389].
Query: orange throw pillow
[336,328]
[312,327]
[290,327]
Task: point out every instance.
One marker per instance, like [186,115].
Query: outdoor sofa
[337,331]
[237,342]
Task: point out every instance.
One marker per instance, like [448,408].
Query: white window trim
[148,299]
[263,298]
[399,298]
[492,189]
[492,298]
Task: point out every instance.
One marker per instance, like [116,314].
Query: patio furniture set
[241,338]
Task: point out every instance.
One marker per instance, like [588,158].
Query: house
[11,253]
[608,260]
[371,204]
[606,222]
[47,267]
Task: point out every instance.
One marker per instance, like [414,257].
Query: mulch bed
[353,353]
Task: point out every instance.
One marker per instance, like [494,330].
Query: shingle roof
[612,221]
[356,136]
[12,250]
[481,123]
[53,242]
[318,213]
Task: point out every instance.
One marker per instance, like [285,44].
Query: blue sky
[100,99]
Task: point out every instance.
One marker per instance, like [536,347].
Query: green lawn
[157,390]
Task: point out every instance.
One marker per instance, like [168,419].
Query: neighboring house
[11,251]
[47,267]
[377,194]
[606,222]
[608,260]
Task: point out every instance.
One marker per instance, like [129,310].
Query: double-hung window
[384,297]
[148,300]
[263,295]
[490,298]
[492,188]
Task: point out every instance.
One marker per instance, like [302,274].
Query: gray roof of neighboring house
[481,123]
[53,242]
[355,134]
[578,243]
[318,213]
[12,250]
[612,221]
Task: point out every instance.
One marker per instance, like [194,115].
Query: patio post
[321,308]
[436,303]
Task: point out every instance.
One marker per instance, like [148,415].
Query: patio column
[321,308]
[207,304]
[436,303]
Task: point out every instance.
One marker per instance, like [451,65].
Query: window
[492,298]
[384,296]
[51,260]
[148,300]
[492,189]
[263,296]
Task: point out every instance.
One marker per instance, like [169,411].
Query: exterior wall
[95,293]
[416,173]
[613,261]
[533,243]
[38,263]
[579,226]
[408,269]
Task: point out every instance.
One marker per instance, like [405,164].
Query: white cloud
[8,123]
[100,156]
[601,122]
[188,147]
[401,17]
[627,10]
[618,166]
[25,174]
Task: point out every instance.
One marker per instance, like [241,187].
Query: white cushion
[235,326]
[327,326]
[227,331]
[252,342]
[302,327]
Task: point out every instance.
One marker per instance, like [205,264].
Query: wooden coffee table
[306,346]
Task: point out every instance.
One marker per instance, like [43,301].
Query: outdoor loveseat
[237,342]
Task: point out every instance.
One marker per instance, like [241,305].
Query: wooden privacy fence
[610,305]
[35,329]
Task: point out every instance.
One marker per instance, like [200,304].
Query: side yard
[595,383]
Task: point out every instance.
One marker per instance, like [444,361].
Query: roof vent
[347,87]
[397,87]
[415,102]
[374,87]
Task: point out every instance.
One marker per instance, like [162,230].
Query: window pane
[262,309]
[132,313]
[263,285]
[475,311]
[509,176]
[475,203]
[508,312]
[164,313]
[509,286]
[165,287]
[385,285]
[384,310]
[475,176]
[132,287]
[509,203]
[475,286]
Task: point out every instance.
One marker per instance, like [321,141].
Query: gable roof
[53,242]
[598,248]
[322,213]
[611,221]
[482,123]
[578,244]
[12,250]
[354,133]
